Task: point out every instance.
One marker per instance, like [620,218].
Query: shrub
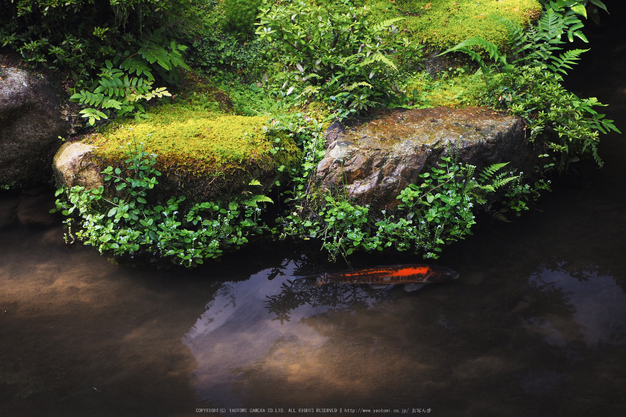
[240,16]
[331,52]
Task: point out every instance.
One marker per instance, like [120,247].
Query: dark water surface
[535,326]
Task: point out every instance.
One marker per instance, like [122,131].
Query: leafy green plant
[437,211]
[122,219]
[117,91]
[80,36]
[120,91]
[530,84]
[331,52]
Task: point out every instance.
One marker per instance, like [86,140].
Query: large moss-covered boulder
[201,155]
[373,160]
[31,120]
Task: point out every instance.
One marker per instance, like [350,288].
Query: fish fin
[385,287]
[413,287]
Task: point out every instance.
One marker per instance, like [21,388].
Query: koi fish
[412,276]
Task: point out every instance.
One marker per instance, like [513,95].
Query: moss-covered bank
[200,153]
[444,23]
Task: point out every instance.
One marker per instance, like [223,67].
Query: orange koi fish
[412,276]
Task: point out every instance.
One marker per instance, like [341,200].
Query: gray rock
[374,160]
[31,120]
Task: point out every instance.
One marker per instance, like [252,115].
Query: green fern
[487,173]
[379,27]
[378,57]
[492,180]
[489,47]
[120,91]
[565,60]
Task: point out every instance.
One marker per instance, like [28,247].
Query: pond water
[536,325]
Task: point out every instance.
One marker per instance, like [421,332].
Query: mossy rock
[201,154]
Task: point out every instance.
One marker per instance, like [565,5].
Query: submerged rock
[34,207]
[374,160]
[31,120]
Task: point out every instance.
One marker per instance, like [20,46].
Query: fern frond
[254,200]
[566,60]
[385,24]
[502,180]
[517,34]
[355,85]
[309,90]
[378,57]
[490,47]
[550,26]
[490,171]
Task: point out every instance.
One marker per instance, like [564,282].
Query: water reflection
[597,304]
[236,331]
[260,326]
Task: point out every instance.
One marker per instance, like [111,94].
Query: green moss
[451,89]
[195,144]
[444,23]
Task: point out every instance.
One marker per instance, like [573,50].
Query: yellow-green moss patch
[455,89]
[193,146]
[444,23]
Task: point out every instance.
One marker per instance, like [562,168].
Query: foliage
[530,85]
[117,91]
[566,124]
[332,53]
[240,16]
[127,223]
[80,34]
[438,211]
[578,7]
[120,91]
[129,40]
[225,55]
[215,50]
